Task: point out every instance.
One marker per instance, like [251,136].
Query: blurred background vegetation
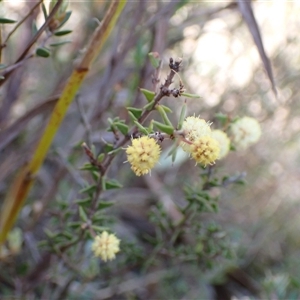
[221,63]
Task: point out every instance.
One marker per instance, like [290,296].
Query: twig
[11,68]
[92,158]
[35,38]
[21,22]
[164,91]
[63,293]
[9,133]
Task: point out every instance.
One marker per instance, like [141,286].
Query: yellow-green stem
[24,180]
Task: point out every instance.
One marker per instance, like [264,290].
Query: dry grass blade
[248,15]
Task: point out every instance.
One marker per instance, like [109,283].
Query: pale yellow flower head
[245,132]
[194,128]
[205,150]
[143,155]
[106,246]
[223,141]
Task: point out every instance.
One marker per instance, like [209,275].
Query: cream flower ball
[245,131]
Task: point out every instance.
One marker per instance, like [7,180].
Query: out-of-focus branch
[9,133]
[130,285]
[24,180]
[20,23]
[34,39]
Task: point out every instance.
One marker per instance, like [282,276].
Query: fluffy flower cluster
[245,132]
[106,246]
[223,140]
[194,128]
[205,150]
[143,155]
[199,141]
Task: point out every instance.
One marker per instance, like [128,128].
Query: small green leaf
[141,127]
[67,234]
[132,116]
[82,214]
[148,94]
[74,224]
[149,106]
[7,21]
[154,59]
[42,52]
[105,204]
[164,128]
[86,201]
[66,18]
[49,233]
[174,154]
[89,167]
[60,43]
[240,182]
[103,184]
[2,77]
[223,119]
[95,175]
[112,184]
[190,95]
[99,229]
[89,189]
[110,121]
[166,108]
[34,28]
[99,217]
[213,184]
[164,115]
[122,127]
[42,244]
[44,11]
[137,112]
[100,157]
[62,32]
[232,147]
[182,116]
[108,148]
[150,128]
[62,204]
[114,151]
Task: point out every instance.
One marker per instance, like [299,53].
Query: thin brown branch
[21,22]
[164,91]
[9,133]
[35,38]
[64,291]
[11,68]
